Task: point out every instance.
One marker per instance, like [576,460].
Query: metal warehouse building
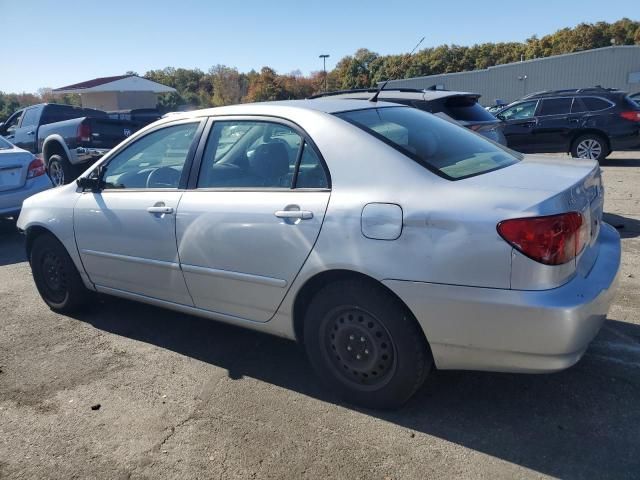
[612,67]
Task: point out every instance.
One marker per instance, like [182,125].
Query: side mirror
[89,183]
[501,117]
[94,182]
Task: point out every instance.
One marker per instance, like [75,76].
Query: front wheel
[56,276]
[365,344]
[590,146]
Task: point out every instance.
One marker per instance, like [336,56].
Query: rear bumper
[516,331]
[11,201]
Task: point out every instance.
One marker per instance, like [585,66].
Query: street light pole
[324,68]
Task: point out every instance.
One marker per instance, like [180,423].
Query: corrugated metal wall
[610,67]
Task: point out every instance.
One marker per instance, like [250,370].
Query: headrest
[270,160]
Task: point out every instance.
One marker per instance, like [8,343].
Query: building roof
[118,83]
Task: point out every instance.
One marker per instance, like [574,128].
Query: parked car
[635,97]
[383,238]
[588,123]
[463,107]
[497,106]
[21,175]
[67,138]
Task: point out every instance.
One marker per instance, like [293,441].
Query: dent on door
[241,251]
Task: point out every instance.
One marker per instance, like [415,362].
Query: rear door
[25,135]
[554,125]
[519,123]
[252,219]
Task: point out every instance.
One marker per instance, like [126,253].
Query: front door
[519,124]
[251,222]
[126,232]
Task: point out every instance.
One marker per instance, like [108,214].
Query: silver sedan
[21,175]
[388,241]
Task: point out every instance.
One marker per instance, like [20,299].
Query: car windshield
[449,150]
[5,145]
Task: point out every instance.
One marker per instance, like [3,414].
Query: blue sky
[54,43]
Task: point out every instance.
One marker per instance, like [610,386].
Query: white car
[21,175]
[385,239]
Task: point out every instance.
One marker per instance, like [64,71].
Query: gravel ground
[131,391]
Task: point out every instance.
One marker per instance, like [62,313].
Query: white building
[123,92]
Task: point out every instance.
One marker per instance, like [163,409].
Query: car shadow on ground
[11,243]
[583,422]
[627,227]
[621,162]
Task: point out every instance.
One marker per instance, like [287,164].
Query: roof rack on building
[365,90]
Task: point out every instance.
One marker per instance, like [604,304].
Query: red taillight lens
[552,240]
[36,168]
[84,132]
[633,115]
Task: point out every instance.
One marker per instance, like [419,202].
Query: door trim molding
[128,258]
[230,275]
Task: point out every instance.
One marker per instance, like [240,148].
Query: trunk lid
[14,164]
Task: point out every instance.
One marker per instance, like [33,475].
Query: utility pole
[324,57]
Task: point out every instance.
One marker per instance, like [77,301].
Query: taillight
[552,240]
[36,168]
[84,132]
[633,115]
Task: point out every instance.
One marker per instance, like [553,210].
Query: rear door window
[593,104]
[555,106]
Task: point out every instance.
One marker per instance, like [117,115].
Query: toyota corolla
[386,240]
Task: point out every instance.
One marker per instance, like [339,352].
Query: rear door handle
[159,209]
[31,132]
[301,214]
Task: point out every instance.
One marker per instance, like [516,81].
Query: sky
[51,43]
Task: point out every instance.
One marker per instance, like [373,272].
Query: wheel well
[32,233]
[53,148]
[591,131]
[320,280]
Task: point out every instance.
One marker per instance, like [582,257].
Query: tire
[365,345]
[60,170]
[56,276]
[591,146]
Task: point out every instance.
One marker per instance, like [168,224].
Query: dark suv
[463,107]
[588,122]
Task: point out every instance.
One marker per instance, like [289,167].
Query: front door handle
[31,132]
[160,209]
[295,214]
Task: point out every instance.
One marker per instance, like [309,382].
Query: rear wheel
[365,344]
[591,146]
[56,276]
[60,170]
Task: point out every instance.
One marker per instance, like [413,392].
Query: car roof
[282,106]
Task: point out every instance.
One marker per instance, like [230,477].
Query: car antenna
[374,98]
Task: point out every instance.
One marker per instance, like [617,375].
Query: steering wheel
[163,177]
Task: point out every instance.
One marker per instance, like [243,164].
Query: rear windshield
[59,113]
[467,109]
[449,150]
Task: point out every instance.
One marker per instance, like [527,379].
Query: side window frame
[188,163]
[192,183]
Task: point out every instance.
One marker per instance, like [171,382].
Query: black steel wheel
[365,344]
[56,276]
[359,347]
